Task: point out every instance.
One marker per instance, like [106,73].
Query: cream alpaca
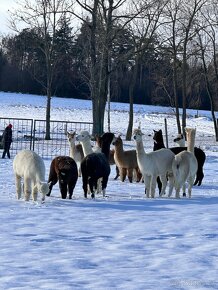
[30,166]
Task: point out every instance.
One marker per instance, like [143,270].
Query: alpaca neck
[87,147]
[191,141]
[105,148]
[72,148]
[140,148]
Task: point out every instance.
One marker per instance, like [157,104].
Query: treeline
[23,67]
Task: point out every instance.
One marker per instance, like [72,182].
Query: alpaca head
[43,188]
[180,140]
[107,138]
[137,135]
[116,141]
[83,136]
[158,136]
[190,133]
[71,136]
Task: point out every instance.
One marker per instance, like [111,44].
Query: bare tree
[45,17]
[180,30]
[143,28]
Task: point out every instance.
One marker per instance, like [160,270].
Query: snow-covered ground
[124,241]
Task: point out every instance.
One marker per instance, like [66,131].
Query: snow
[124,241]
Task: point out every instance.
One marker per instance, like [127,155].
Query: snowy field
[124,241]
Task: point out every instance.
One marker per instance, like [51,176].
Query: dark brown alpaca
[64,170]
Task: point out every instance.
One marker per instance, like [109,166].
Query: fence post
[166,133]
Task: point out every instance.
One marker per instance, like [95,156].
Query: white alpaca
[85,139]
[154,164]
[30,166]
[180,140]
[76,151]
[185,165]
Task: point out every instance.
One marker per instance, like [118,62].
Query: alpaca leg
[85,186]
[163,179]
[18,186]
[71,187]
[104,184]
[199,176]
[147,181]
[27,189]
[130,174]
[122,174]
[159,184]
[52,180]
[177,192]
[117,173]
[63,190]
[190,184]
[34,192]
[171,184]
[92,186]
[153,185]
[184,189]
[138,174]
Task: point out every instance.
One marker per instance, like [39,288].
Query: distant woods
[149,52]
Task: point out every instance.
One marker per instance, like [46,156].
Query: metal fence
[30,134]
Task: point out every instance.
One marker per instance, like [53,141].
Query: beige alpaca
[76,150]
[126,161]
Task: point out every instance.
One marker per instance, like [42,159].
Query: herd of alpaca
[174,166]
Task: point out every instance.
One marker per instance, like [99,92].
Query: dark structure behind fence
[30,134]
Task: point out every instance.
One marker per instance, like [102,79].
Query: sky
[5,5]
[122,242]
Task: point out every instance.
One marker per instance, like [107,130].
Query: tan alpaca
[126,161]
[185,165]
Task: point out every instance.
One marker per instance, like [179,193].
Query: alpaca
[111,155]
[95,165]
[76,151]
[199,154]
[30,166]
[64,170]
[154,164]
[185,164]
[126,161]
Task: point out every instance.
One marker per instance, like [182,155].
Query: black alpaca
[64,170]
[199,154]
[96,165]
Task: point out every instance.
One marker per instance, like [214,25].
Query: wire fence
[30,134]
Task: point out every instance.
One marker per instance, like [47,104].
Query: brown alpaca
[64,170]
[126,161]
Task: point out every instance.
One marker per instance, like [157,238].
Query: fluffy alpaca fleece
[64,170]
[185,165]
[30,166]
[76,150]
[154,164]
